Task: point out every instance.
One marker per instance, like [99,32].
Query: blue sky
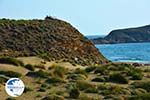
[90,17]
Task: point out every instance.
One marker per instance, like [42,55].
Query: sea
[126,52]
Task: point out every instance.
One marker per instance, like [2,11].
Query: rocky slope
[131,35]
[50,38]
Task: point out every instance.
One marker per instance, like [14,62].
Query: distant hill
[130,35]
[94,36]
[50,38]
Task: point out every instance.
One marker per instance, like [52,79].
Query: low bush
[83,85]
[10,74]
[40,74]
[134,71]
[99,79]
[9,60]
[59,71]
[80,71]
[74,93]
[53,97]
[53,80]
[118,78]
[27,89]
[76,77]
[140,97]
[137,76]
[144,85]
[101,70]
[42,89]
[3,80]
[40,66]
[10,99]
[30,67]
[138,91]
[84,96]
[91,90]
[112,89]
[44,85]
[90,69]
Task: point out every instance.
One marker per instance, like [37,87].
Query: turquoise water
[128,52]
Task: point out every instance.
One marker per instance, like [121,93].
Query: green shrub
[80,71]
[140,97]
[84,96]
[42,89]
[99,79]
[118,78]
[83,85]
[10,74]
[40,74]
[53,97]
[91,90]
[90,69]
[54,80]
[124,66]
[40,66]
[138,91]
[44,56]
[44,85]
[101,70]
[111,89]
[76,77]
[59,71]
[27,89]
[10,99]
[134,71]
[30,67]
[74,93]
[137,76]
[38,96]
[144,85]
[9,60]
[3,80]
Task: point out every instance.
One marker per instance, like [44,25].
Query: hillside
[51,38]
[130,35]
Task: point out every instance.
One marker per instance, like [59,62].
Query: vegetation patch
[9,60]
[90,69]
[30,67]
[118,78]
[3,80]
[144,85]
[83,85]
[81,71]
[53,97]
[53,80]
[10,74]
[59,71]
[40,74]
[140,97]
[101,70]
[27,89]
[99,79]
[74,93]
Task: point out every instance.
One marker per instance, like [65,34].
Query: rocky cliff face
[50,38]
[131,35]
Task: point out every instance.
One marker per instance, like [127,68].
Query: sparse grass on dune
[114,81]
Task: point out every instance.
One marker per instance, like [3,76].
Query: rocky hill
[50,38]
[130,35]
